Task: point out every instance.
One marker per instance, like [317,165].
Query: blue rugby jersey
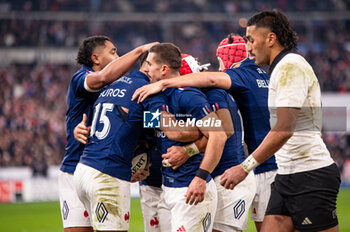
[183,103]
[155,176]
[114,134]
[233,153]
[250,90]
[79,101]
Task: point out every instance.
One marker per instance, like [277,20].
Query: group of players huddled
[199,177]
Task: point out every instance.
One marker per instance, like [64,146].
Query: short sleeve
[291,86]
[156,102]
[217,98]
[79,84]
[236,80]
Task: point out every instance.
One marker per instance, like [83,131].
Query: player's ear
[95,59]
[164,69]
[271,39]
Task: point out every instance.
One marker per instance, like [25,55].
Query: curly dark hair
[87,47]
[278,23]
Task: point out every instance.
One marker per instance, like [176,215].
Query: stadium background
[38,45]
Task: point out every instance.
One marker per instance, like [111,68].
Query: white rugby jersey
[293,83]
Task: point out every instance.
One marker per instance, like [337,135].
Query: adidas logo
[181,229]
[306,221]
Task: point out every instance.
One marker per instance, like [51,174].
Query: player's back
[250,90]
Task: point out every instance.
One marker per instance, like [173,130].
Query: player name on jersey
[113,93]
[262,83]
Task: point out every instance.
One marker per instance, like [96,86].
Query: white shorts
[72,209]
[233,205]
[156,217]
[191,218]
[106,198]
[262,195]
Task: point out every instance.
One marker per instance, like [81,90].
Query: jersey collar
[247,62]
[86,68]
[277,59]
[169,91]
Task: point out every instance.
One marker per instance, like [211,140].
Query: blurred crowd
[230,6]
[32,113]
[32,96]
[328,53]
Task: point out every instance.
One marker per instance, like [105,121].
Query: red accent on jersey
[254,211]
[181,229]
[86,214]
[154,221]
[232,53]
[208,109]
[127,216]
[217,106]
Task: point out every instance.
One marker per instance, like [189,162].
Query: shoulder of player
[292,59]
[81,73]
[132,79]
[292,62]
[188,92]
[214,91]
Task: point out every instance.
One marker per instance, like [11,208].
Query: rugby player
[248,84]
[101,65]
[102,177]
[303,195]
[188,192]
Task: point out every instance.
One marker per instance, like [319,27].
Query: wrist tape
[249,164]
[191,149]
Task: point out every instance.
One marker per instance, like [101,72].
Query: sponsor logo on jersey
[154,222]
[306,221]
[125,79]
[181,229]
[127,217]
[101,212]
[65,210]
[206,222]
[86,214]
[239,209]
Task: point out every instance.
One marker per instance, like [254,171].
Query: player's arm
[174,132]
[216,142]
[284,129]
[114,70]
[199,80]
[227,122]
[178,155]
